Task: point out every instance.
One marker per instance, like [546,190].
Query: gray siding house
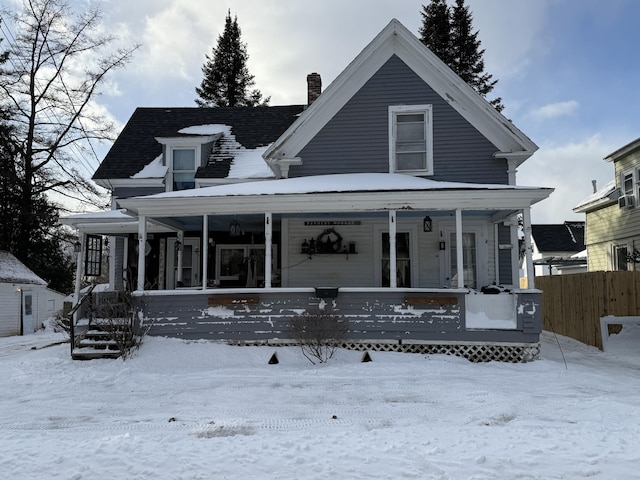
[390,198]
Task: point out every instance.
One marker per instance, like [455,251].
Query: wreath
[329,241]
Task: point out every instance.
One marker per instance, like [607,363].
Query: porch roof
[356,192]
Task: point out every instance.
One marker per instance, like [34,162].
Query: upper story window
[628,189]
[183,168]
[410,139]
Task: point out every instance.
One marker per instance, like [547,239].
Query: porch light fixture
[427,224]
[178,246]
[77,246]
[442,246]
[234,228]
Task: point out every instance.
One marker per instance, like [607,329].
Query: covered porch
[236,262]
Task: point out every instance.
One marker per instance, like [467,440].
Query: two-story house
[613,215]
[391,198]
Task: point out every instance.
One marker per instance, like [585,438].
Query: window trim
[615,247]
[170,171]
[635,187]
[394,111]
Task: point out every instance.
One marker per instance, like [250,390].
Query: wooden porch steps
[99,342]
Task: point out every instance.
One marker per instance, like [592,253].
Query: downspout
[393,269]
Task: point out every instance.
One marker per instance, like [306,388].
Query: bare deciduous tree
[57,63]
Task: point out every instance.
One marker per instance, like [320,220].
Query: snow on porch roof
[337,183]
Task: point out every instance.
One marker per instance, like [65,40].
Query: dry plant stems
[319,334]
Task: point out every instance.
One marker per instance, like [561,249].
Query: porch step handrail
[74,309]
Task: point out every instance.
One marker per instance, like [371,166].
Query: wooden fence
[573,304]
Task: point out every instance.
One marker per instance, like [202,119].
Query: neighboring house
[26,301]
[391,198]
[613,215]
[555,247]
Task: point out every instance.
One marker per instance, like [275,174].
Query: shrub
[319,333]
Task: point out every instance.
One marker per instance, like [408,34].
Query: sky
[567,70]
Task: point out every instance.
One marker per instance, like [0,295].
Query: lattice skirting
[474,352]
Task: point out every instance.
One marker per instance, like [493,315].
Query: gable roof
[13,270]
[566,237]
[136,146]
[623,151]
[395,39]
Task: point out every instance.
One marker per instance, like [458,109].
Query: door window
[469,259]
[403,259]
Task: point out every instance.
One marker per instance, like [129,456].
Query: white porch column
[205,250]
[79,268]
[178,276]
[142,240]
[268,238]
[526,220]
[459,256]
[496,252]
[393,268]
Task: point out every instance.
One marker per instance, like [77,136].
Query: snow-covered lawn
[208,411]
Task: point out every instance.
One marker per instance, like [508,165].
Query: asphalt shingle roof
[136,146]
[564,237]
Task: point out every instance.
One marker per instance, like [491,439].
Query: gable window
[410,139]
[183,168]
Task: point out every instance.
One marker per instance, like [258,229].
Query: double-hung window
[410,139]
[183,168]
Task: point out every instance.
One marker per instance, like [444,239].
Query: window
[469,259]
[620,254]
[243,265]
[184,168]
[628,187]
[410,134]
[403,260]
[93,256]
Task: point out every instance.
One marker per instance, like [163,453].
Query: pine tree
[227,80]
[448,32]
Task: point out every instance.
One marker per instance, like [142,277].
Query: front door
[28,325]
[190,276]
[406,257]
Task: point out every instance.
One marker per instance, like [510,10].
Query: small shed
[26,301]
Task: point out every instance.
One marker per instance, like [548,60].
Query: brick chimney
[314,87]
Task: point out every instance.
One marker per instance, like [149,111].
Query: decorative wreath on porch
[329,241]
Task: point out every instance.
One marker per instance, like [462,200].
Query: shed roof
[13,270]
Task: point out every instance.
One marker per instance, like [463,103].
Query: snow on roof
[13,270]
[347,182]
[208,129]
[155,169]
[106,215]
[250,164]
[600,195]
[582,254]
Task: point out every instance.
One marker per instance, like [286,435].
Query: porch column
[393,268]
[459,256]
[205,250]
[526,220]
[178,276]
[79,269]
[142,240]
[268,238]
[496,252]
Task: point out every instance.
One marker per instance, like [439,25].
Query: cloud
[553,110]
[569,168]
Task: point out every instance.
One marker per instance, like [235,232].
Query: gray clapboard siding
[357,139]
[382,316]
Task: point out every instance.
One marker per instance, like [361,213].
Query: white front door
[190,263]
[28,325]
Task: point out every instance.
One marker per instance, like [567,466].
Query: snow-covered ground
[200,410]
